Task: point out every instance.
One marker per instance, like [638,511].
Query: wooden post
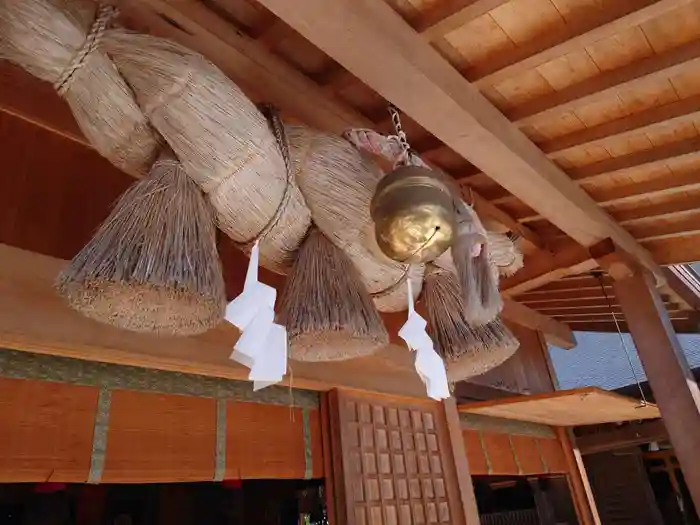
[660,352]
[459,453]
[581,492]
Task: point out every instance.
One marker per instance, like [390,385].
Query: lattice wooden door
[393,462]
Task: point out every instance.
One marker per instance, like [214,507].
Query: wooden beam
[453,14]
[608,85]
[682,204]
[671,114]
[684,227]
[406,70]
[655,157]
[544,268]
[670,378]
[33,318]
[674,251]
[540,297]
[681,326]
[556,333]
[35,101]
[673,184]
[582,30]
[631,435]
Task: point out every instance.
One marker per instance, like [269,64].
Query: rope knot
[104,15]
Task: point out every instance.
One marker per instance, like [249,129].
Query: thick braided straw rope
[468,350]
[57,41]
[338,183]
[153,264]
[223,141]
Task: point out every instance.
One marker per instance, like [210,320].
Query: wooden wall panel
[526,449]
[553,456]
[478,464]
[394,463]
[264,441]
[158,437]
[524,373]
[46,430]
[500,454]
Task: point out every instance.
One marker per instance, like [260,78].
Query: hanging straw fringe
[505,257]
[338,183]
[477,278]
[468,350]
[153,264]
[504,254]
[325,307]
[223,141]
[57,41]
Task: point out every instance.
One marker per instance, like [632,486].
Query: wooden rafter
[683,204]
[608,84]
[685,227]
[646,159]
[407,71]
[581,32]
[544,268]
[674,184]
[677,112]
[453,14]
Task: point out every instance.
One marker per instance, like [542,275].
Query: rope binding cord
[105,14]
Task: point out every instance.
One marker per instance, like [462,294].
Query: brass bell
[414,214]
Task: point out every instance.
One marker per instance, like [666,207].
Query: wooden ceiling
[606,90]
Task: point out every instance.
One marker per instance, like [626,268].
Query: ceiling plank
[584,29]
[608,85]
[685,227]
[684,204]
[406,70]
[674,251]
[673,184]
[671,114]
[685,150]
[453,14]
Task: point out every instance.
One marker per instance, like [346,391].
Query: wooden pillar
[577,478]
[666,367]
[459,453]
[545,512]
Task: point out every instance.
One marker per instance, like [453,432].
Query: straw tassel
[326,308]
[262,346]
[429,365]
[153,265]
[477,279]
[468,350]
